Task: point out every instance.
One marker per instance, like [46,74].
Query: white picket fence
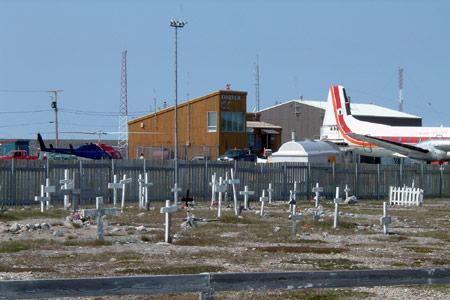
[405,196]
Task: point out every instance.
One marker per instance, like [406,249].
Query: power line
[24,112]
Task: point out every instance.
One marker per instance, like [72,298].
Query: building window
[212,121]
[232,122]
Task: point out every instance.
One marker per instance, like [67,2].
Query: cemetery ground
[133,245]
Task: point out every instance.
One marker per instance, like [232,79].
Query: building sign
[225,101]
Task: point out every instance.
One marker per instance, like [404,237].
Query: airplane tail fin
[41,142]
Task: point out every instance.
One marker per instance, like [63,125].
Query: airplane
[87,151]
[430,144]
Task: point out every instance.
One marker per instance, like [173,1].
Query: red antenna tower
[123,114]
[400,89]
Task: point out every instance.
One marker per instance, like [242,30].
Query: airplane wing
[407,150]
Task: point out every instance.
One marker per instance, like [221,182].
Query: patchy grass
[300,249]
[170,270]
[23,245]
[419,249]
[23,214]
[333,264]
[86,243]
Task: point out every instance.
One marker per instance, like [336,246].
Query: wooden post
[346,190]
[48,189]
[145,186]
[213,184]
[246,193]
[385,219]
[233,182]
[263,199]
[99,212]
[168,210]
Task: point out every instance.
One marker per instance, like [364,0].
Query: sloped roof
[260,124]
[358,109]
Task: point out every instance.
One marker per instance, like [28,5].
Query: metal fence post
[308,182]
[11,194]
[285,192]
[378,181]
[441,180]
[334,178]
[356,180]
[401,174]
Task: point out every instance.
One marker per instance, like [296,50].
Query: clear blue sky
[303,48]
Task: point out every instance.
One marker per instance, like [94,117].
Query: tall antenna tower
[400,89]
[257,83]
[123,115]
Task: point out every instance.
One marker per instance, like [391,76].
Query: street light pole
[55,107]
[176,24]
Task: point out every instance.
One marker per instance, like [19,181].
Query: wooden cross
[45,189]
[246,193]
[317,189]
[233,182]
[337,201]
[168,210]
[124,182]
[220,188]
[187,199]
[263,199]
[114,186]
[385,219]
[144,184]
[294,192]
[67,185]
[294,217]
[270,190]
[99,212]
[175,191]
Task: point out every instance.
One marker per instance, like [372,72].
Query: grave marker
[175,191]
[74,189]
[317,189]
[246,193]
[221,188]
[213,184]
[67,185]
[263,199]
[144,184]
[124,182]
[385,219]
[294,217]
[43,198]
[233,182]
[337,201]
[114,186]
[168,210]
[99,212]
[187,199]
[270,190]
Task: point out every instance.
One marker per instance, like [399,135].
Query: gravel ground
[413,244]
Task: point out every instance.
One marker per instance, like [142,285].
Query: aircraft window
[399,139]
[419,140]
[389,138]
[409,139]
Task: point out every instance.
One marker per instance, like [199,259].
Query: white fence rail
[405,196]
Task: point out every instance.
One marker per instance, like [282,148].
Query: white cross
[114,186]
[175,191]
[385,219]
[67,185]
[42,198]
[337,201]
[263,199]
[144,184]
[213,184]
[233,182]
[221,188]
[98,212]
[317,189]
[225,182]
[294,217]
[270,190]
[346,190]
[246,193]
[168,210]
[124,182]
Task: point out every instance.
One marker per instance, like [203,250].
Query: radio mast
[123,114]
[400,89]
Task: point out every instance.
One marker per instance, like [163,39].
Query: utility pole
[400,89]
[176,24]
[55,107]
